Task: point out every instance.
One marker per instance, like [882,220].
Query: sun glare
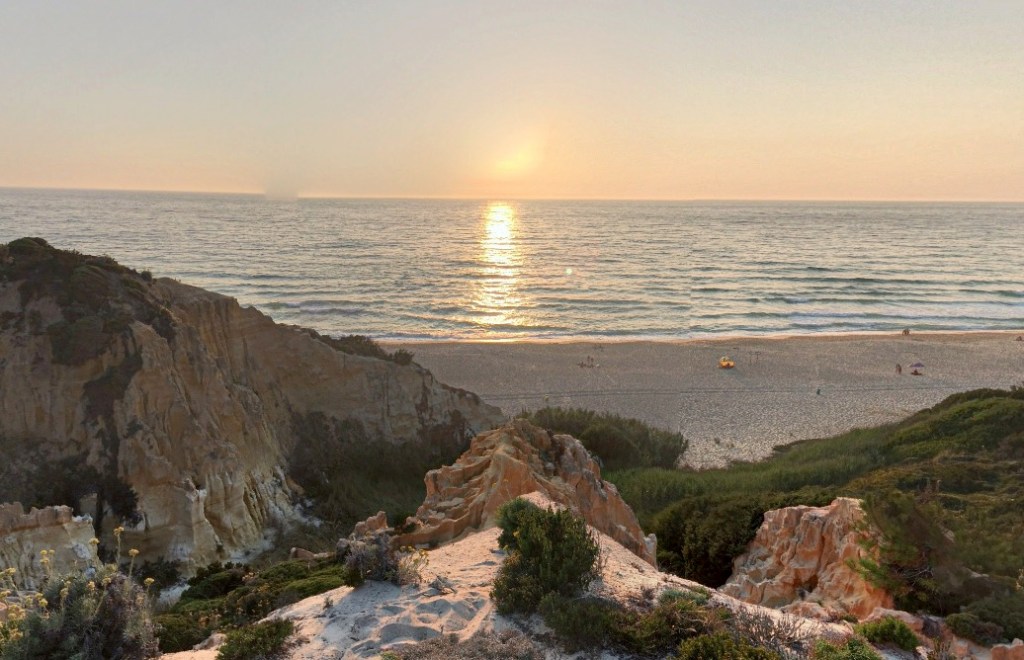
[497,298]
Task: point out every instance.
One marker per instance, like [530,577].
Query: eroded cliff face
[190,399]
[515,460]
[800,559]
[24,536]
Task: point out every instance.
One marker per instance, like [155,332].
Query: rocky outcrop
[514,460]
[192,400]
[1014,651]
[799,561]
[23,537]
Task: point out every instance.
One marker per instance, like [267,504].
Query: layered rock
[191,399]
[1014,651]
[800,561]
[515,460]
[24,536]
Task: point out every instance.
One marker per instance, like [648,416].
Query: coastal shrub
[180,632]
[781,633]
[362,345]
[580,623]
[374,558]
[234,594]
[969,626]
[95,617]
[854,648]
[945,474]
[889,630]
[214,580]
[619,442]
[554,552]
[1005,611]
[660,629]
[510,517]
[587,622]
[504,645]
[722,646]
[163,572]
[267,640]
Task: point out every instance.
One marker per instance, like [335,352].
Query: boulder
[514,460]
[804,553]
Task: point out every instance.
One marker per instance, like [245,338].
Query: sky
[757,99]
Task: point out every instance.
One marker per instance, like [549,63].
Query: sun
[520,160]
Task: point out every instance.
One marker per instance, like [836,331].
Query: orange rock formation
[799,562]
[514,460]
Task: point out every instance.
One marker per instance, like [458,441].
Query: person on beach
[899,369]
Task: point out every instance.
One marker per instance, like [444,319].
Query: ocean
[417,270]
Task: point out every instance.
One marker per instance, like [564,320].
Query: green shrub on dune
[549,552]
[620,442]
[948,473]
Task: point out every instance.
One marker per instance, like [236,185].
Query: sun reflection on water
[497,301]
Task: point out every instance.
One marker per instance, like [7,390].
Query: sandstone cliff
[193,401]
[798,561]
[23,537]
[515,460]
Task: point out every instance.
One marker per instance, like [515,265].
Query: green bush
[619,442]
[554,552]
[854,649]
[580,623]
[510,517]
[76,617]
[232,594]
[267,640]
[214,580]
[660,629]
[1006,611]
[180,632]
[957,467]
[163,572]
[969,626]
[889,630]
[722,646]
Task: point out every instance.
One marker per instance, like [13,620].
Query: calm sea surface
[425,270]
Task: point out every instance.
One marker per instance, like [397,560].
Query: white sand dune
[782,389]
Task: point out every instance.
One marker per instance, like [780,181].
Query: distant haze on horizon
[574,100]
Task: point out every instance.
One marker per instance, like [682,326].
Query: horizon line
[239,193]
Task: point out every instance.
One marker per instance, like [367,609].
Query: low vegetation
[267,640]
[618,442]
[348,475]
[228,596]
[952,472]
[549,552]
[363,345]
[889,631]
[95,616]
[506,645]
[235,596]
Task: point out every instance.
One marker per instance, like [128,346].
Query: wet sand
[782,389]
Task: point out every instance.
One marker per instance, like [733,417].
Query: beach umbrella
[917,365]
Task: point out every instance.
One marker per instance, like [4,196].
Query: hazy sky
[764,99]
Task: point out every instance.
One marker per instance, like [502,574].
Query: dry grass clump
[505,645]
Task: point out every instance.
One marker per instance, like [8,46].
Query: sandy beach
[782,389]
